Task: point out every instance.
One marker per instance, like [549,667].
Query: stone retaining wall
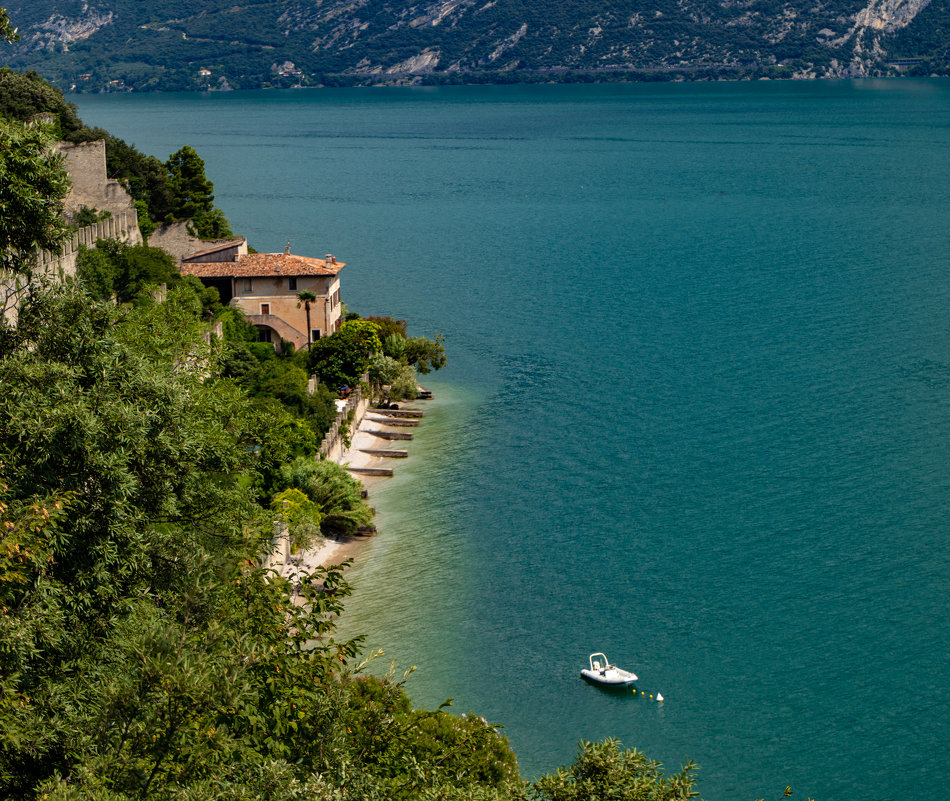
[123,227]
[333,446]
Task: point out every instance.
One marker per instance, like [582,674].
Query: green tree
[145,177]
[192,192]
[97,272]
[306,297]
[336,494]
[388,326]
[128,445]
[301,514]
[281,379]
[342,358]
[606,772]
[426,354]
[212,225]
[134,269]
[237,361]
[395,346]
[33,186]
[400,378]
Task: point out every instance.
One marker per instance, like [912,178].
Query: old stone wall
[175,240]
[334,444]
[123,227]
[86,165]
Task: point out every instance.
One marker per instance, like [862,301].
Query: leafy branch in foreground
[605,772]
[7,32]
[33,186]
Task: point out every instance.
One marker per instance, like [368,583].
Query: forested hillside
[120,45]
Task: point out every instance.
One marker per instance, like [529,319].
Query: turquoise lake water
[696,414]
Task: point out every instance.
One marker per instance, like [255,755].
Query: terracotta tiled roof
[262,265]
[216,248]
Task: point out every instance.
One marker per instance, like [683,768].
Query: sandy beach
[333,552]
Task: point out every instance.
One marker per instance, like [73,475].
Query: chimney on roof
[329,259]
[287,248]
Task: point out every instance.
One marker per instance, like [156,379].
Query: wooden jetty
[371,471]
[389,454]
[399,412]
[391,434]
[393,421]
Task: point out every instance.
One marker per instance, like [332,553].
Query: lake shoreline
[334,552]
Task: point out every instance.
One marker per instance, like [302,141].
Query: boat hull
[613,677]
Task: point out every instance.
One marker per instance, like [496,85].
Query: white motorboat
[603,673]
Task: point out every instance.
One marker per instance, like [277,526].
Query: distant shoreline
[551,77]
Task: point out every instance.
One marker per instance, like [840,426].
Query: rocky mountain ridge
[116,45]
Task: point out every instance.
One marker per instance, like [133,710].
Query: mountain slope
[169,44]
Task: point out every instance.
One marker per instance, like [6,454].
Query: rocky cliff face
[60,30]
[171,44]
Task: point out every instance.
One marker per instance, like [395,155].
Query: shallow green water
[696,413]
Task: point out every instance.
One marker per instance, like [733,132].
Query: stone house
[265,287]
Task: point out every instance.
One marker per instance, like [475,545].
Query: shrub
[335,492]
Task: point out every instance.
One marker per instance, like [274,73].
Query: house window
[265,308]
[291,283]
[247,285]
[314,334]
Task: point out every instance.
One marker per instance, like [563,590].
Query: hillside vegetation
[120,45]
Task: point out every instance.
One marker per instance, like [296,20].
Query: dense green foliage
[25,94]
[606,772]
[279,384]
[168,45]
[341,359]
[379,347]
[126,271]
[33,186]
[142,652]
[334,492]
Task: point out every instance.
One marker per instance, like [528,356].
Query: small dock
[371,471]
[398,412]
[387,454]
[391,434]
[393,421]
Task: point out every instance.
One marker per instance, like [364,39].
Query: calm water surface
[697,412]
